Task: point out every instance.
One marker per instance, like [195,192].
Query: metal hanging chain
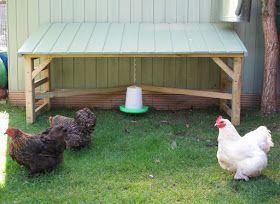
[134,70]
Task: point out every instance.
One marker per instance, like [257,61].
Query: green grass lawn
[131,160]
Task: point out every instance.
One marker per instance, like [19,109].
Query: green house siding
[109,72]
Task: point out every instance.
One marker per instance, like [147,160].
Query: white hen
[246,156]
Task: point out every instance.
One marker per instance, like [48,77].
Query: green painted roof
[133,38]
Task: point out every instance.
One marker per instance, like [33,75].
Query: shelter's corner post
[236,90]
[29,90]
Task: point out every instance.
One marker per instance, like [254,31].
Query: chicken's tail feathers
[268,138]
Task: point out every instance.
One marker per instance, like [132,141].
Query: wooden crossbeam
[77,92]
[224,67]
[209,94]
[41,108]
[225,108]
[41,82]
[41,67]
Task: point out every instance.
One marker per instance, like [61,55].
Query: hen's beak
[215,125]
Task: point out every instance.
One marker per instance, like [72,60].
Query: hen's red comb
[219,118]
[9,132]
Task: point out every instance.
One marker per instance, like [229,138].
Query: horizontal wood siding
[26,15]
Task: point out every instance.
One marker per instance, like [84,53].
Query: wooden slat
[124,71]
[179,39]
[40,82]
[67,10]
[101,10]
[78,92]
[41,67]
[114,38]
[224,67]
[169,72]
[136,11]
[182,11]
[195,39]
[205,11]
[49,39]
[163,42]
[193,11]
[225,108]
[158,72]
[229,38]
[32,41]
[124,8]
[159,11]
[82,38]
[147,71]
[65,39]
[130,38]
[146,42]
[79,11]
[98,38]
[147,11]
[90,10]
[39,110]
[209,94]
[170,11]
[211,38]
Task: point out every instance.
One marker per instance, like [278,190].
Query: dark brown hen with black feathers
[79,128]
[38,153]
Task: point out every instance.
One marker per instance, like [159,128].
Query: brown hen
[79,128]
[38,153]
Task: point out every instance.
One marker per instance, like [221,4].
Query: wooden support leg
[29,90]
[236,91]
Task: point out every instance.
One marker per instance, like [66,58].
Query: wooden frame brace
[224,67]
[41,67]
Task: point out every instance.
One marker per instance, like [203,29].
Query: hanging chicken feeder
[134,101]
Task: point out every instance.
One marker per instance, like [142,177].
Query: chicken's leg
[240,176]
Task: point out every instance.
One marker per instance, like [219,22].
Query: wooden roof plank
[229,38]
[195,39]
[211,38]
[130,38]
[65,39]
[163,42]
[146,43]
[82,38]
[179,39]
[47,42]
[98,38]
[114,38]
[31,43]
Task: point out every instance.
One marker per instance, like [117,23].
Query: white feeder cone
[133,98]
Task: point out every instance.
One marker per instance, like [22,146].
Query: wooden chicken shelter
[61,40]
